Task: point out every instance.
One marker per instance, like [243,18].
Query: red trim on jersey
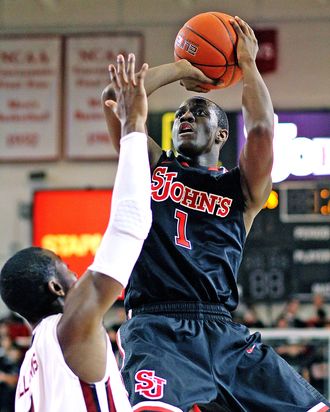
[111,402]
[196,408]
[153,408]
[118,341]
[185,164]
[90,397]
[32,405]
[324,408]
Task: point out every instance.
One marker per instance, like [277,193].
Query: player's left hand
[193,78]
[193,86]
[247,45]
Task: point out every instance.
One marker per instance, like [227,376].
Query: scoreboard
[305,201]
[288,249]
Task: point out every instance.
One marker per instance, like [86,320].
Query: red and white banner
[30,76]
[87,61]
[71,223]
[268,50]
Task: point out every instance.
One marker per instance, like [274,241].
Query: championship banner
[30,83]
[87,62]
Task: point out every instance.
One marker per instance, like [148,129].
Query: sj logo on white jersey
[149,385]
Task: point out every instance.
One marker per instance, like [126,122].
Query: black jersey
[194,248]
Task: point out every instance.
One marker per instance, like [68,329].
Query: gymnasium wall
[301,80]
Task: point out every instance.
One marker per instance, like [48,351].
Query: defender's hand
[131,106]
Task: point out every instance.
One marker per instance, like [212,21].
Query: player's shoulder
[233,173]
[49,321]
[46,329]
[231,179]
[167,156]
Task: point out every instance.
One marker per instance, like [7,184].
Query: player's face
[65,276]
[195,127]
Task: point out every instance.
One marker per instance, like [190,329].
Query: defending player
[181,347]
[70,365]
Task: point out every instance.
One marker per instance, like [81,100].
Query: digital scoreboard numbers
[305,202]
[264,274]
[288,249]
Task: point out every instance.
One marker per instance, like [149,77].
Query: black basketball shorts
[174,361]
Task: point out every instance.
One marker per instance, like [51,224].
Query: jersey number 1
[181,237]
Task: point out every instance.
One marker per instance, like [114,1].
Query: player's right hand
[193,79]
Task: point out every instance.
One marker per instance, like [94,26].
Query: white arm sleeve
[130,218]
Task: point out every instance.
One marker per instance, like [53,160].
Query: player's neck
[207,160]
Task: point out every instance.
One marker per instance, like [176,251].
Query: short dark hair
[24,283]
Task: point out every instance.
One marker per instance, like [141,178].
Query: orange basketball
[209,41]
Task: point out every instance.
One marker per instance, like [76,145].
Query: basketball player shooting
[70,365]
[182,350]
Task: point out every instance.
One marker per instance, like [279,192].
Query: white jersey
[47,384]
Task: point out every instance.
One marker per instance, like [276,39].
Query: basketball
[209,41]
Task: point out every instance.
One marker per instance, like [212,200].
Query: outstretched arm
[256,158]
[156,78]
[80,331]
